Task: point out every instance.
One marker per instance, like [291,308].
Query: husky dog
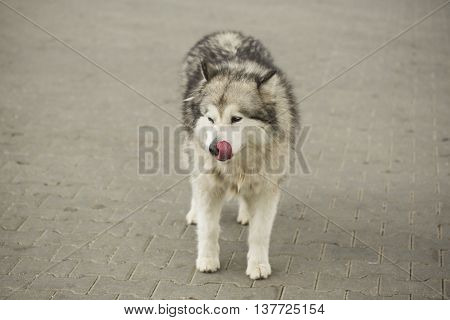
[240,116]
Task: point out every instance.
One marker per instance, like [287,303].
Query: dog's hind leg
[191,216]
[243,215]
[208,202]
[262,208]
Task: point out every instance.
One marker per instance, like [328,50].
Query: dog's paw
[243,218]
[191,217]
[258,270]
[208,264]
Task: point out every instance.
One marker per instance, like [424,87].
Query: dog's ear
[265,78]
[208,70]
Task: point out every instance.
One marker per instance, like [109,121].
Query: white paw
[243,218]
[258,270]
[208,264]
[191,217]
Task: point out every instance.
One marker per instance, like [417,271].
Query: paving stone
[233,292]
[32,266]
[284,230]
[7,263]
[137,242]
[305,280]
[68,295]
[302,265]
[19,237]
[446,286]
[171,290]
[398,271]
[13,282]
[63,227]
[178,270]
[425,297]
[91,254]
[426,271]
[296,293]
[45,251]
[77,285]
[160,242]
[31,294]
[367,284]
[119,271]
[430,288]
[157,257]
[69,239]
[64,190]
[429,256]
[130,297]
[359,296]
[11,223]
[333,252]
[310,251]
[108,285]
[236,277]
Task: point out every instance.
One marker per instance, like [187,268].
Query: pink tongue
[225,152]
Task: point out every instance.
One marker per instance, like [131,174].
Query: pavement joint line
[288,267]
[93,284]
[96,237]
[154,289]
[149,241]
[280,296]
[86,58]
[131,272]
[218,291]
[316,280]
[53,295]
[324,216]
[229,261]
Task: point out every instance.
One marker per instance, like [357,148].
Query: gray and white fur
[236,99]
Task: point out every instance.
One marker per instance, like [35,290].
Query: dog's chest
[242,183]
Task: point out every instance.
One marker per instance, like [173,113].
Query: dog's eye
[235,119]
[210,120]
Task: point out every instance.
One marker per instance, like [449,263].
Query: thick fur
[228,75]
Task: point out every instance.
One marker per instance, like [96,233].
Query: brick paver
[378,149]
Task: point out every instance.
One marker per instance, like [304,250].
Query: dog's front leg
[209,202]
[262,209]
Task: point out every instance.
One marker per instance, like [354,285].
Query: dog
[240,116]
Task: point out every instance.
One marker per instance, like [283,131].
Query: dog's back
[224,47]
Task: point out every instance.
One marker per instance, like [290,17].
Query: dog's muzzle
[221,150]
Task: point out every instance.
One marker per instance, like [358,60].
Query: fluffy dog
[240,116]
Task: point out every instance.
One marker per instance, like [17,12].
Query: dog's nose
[213,148]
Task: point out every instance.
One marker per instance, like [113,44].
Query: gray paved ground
[379,150]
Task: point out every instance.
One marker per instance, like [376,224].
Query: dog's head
[236,109]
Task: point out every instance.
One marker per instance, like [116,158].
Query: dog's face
[231,117]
